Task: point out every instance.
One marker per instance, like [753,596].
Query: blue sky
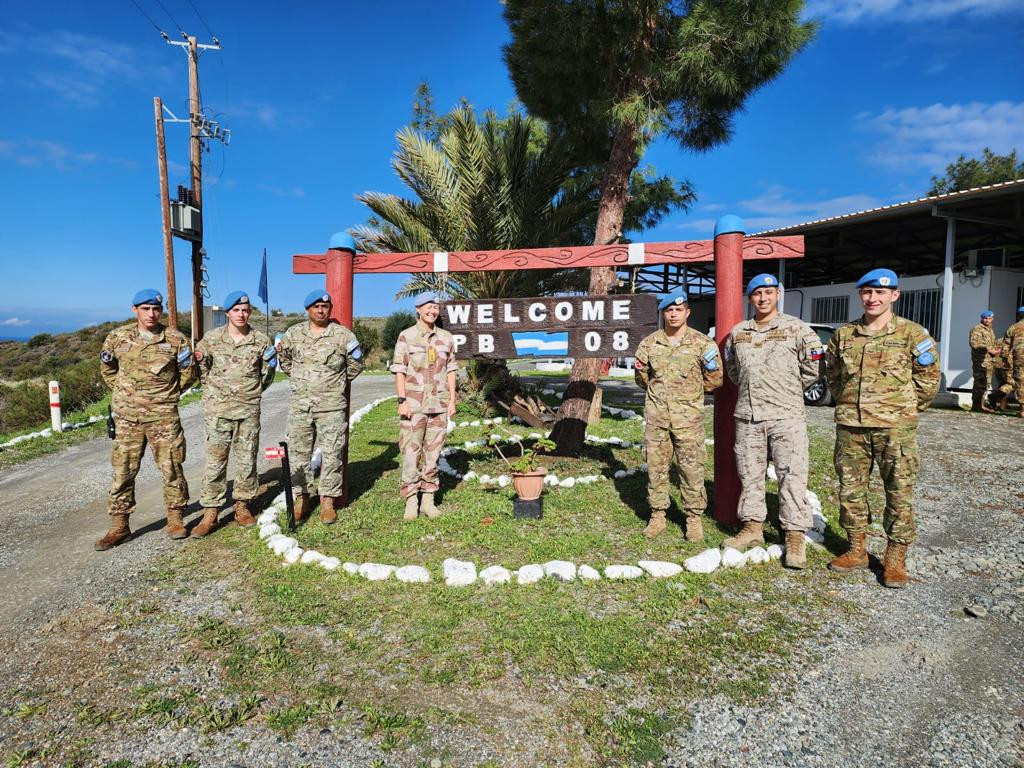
[888,94]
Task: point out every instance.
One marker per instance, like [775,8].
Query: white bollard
[58,425]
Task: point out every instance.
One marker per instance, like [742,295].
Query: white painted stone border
[66,426]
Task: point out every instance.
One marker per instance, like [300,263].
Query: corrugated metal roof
[886,211]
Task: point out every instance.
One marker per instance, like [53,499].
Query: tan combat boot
[207,524]
[427,505]
[694,528]
[119,533]
[327,513]
[656,524]
[796,550]
[750,534]
[243,516]
[894,574]
[855,558]
[175,525]
[411,508]
[300,507]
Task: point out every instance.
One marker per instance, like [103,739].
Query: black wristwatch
[401,400]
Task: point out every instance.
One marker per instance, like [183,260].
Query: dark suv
[817,393]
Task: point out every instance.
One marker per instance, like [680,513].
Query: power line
[150,20]
[201,19]
[184,34]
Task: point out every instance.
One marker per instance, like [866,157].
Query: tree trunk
[571,425]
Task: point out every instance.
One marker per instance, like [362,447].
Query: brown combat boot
[656,524]
[796,550]
[119,533]
[207,524]
[427,505]
[855,558]
[750,534]
[412,509]
[175,525]
[243,516]
[694,528]
[894,574]
[327,513]
[301,507]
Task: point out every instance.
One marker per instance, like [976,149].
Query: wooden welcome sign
[567,326]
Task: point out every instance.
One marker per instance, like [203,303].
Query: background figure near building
[147,366]
[236,363]
[424,367]
[676,365]
[321,358]
[772,358]
[984,352]
[882,370]
[1013,348]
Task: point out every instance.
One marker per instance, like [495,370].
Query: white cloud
[932,137]
[14,321]
[53,154]
[853,11]
[282,191]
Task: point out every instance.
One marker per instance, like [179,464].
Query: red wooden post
[728,312]
[339,284]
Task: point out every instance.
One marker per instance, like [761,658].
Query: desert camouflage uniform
[772,366]
[879,386]
[234,375]
[320,367]
[143,371]
[675,379]
[1013,349]
[982,341]
[426,356]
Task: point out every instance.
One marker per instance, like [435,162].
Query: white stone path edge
[460,573]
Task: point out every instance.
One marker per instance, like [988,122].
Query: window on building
[923,307]
[830,309]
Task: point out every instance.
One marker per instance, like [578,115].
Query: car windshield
[824,333]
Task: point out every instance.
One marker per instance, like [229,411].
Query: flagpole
[267,291]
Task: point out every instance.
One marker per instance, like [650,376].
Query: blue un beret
[879,278]
[679,297]
[147,296]
[987,313]
[764,280]
[315,296]
[1020,310]
[235,297]
[427,297]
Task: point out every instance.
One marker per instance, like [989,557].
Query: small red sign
[273,453]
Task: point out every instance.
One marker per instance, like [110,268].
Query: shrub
[369,337]
[23,407]
[395,323]
[39,340]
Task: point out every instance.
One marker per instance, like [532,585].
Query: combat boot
[411,508]
[327,513]
[301,507]
[750,534]
[694,528]
[894,574]
[656,524]
[175,525]
[207,524]
[427,506]
[796,550]
[855,558]
[243,516]
[119,533]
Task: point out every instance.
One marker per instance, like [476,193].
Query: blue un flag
[262,292]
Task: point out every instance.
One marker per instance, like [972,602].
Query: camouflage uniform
[1013,348]
[879,385]
[426,356]
[320,368]
[772,366]
[234,375]
[675,379]
[147,380]
[982,341]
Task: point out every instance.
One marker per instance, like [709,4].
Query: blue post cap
[427,297]
[764,280]
[315,296]
[987,313]
[342,241]
[1020,310]
[147,296]
[879,278]
[729,224]
[235,297]
[679,298]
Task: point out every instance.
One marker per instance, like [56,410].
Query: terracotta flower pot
[529,485]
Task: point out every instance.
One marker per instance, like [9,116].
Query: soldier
[676,366]
[236,363]
[772,358]
[321,358]
[424,368]
[882,371]
[148,366]
[1013,349]
[984,352]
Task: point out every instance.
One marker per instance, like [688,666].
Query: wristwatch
[401,400]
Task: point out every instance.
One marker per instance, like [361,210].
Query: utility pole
[165,211]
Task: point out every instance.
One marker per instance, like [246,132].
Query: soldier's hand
[198,356]
[639,365]
[451,409]
[404,411]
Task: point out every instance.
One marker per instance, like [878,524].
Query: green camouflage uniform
[675,378]
[982,341]
[879,384]
[1013,349]
[426,356]
[772,366]
[147,380]
[320,368]
[234,375]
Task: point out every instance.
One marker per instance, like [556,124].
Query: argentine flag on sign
[541,344]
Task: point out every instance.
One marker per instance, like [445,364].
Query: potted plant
[527,473]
